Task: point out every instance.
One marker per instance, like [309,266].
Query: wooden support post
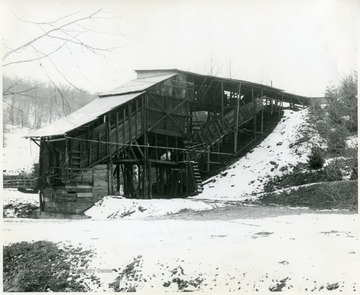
[118,178]
[150,182]
[222,103]
[130,123]
[176,151]
[136,117]
[98,147]
[146,149]
[254,102]
[124,119]
[237,119]
[109,153]
[139,181]
[218,149]
[157,180]
[208,160]
[117,133]
[89,146]
[262,114]
[156,147]
[166,144]
[187,165]
[131,179]
[191,123]
[124,174]
[67,159]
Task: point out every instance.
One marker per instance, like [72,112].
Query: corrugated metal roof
[139,84]
[85,115]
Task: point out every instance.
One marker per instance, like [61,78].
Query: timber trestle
[158,136]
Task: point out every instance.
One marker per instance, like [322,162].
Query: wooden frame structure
[156,136]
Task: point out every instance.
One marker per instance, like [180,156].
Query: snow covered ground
[19,153]
[13,196]
[279,153]
[118,207]
[296,252]
[17,204]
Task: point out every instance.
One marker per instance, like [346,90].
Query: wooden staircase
[213,131]
[197,178]
[75,159]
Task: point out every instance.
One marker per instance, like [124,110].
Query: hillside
[33,104]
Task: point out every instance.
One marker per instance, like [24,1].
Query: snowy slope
[19,153]
[278,153]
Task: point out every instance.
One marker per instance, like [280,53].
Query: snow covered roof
[105,103]
[85,115]
[156,72]
[139,84]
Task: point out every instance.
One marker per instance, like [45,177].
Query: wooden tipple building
[156,136]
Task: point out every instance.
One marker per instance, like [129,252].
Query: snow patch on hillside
[19,153]
[279,153]
[111,207]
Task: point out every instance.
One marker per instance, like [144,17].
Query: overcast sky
[301,46]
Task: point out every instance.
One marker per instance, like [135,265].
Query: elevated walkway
[215,130]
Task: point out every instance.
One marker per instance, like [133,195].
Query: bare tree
[60,35]
[64,30]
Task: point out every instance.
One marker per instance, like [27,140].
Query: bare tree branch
[8,92]
[14,84]
[36,58]
[63,97]
[49,32]
[11,105]
[82,44]
[49,22]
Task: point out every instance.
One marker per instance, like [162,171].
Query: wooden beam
[129,161]
[207,90]
[237,119]
[117,132]
[89,146]
[136,117]
[167,113]
[162,111]
[146,149]
[166,132]
[139,149]
[33,140]
[208,160]
[222,103]
[124,119]
[118,177]
[253,99]
[129,121]
[109,153]
[163,162]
